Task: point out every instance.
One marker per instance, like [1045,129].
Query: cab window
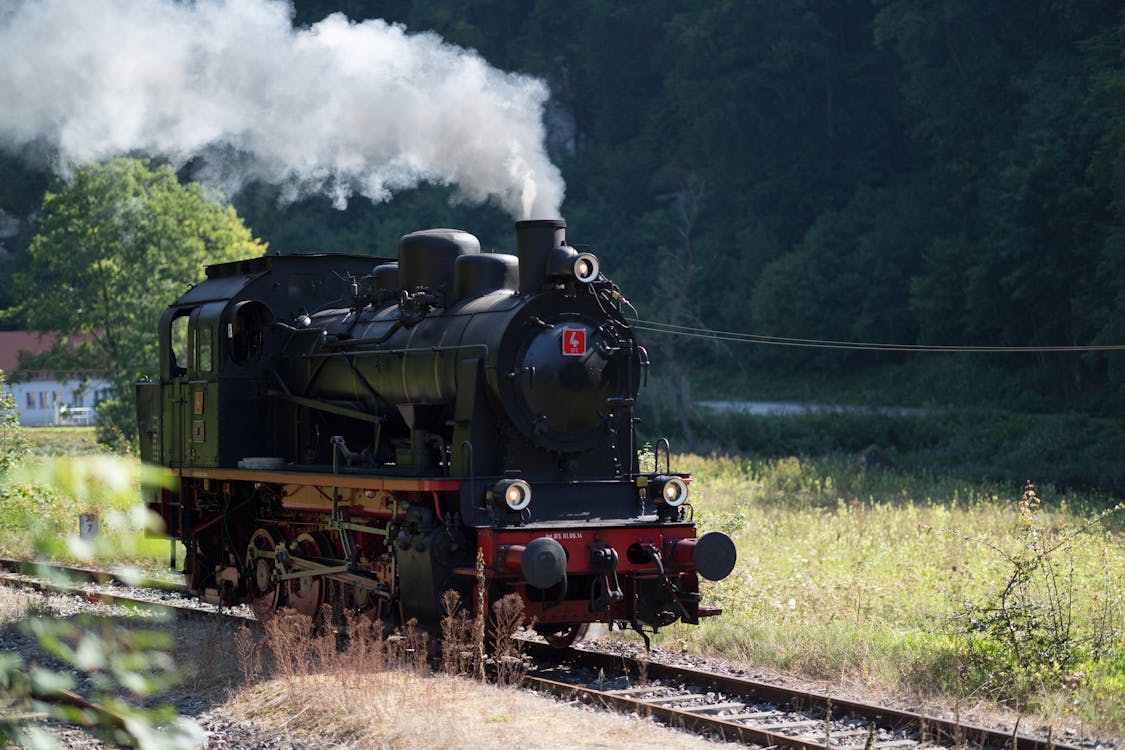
[205,361]
[179,346]
[246,332]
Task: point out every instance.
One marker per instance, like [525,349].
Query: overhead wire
[752,338]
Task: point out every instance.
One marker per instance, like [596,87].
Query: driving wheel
[306,593]
[562,636]
[266,594]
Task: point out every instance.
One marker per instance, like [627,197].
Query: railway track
[152,596]
[721,707]
[735,709]
[74,573]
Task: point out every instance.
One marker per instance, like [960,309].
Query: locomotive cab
[209,403]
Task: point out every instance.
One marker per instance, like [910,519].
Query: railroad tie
[715,707]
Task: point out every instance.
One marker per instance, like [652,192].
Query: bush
[107,676]
[13,443]
[117,426]
[1068,451]
[1026,636]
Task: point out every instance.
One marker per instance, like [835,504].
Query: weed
[507,620]
[459,651]
[646,458]
[462,639]
[478,621]
[1027,634]
[13,439]
[251,654]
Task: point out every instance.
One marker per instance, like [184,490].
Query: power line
[751,338]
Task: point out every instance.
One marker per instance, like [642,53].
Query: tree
[116,243]
[20,193]
[1101,310]
[13,444]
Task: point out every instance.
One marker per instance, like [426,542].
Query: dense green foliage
[902,171]
[106,675]
[115,245]
[13,444]
[1066,451]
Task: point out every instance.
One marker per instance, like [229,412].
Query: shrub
[13,443]
[1025,635]
[122,669]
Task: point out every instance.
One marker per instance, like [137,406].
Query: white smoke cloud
[339,108]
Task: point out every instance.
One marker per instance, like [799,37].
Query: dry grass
[15,605]
[395,709]
[362,691]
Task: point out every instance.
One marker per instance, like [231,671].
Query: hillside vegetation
[866,170]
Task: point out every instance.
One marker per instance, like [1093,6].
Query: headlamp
[568,263]
[670,491]
[515,493]
[586,267]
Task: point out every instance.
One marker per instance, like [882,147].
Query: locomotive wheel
[360,599]
[324,542]
[334,591]
[562,636]
[306,594]
[266,595]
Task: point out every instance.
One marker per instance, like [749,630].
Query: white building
[44,399]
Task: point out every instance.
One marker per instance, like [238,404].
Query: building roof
[13,342]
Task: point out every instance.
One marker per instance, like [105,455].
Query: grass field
[62,441]
[966,591]
[888,579]
[41,501]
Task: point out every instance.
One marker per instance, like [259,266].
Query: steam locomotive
[375,432]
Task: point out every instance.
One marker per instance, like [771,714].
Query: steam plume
[339,108]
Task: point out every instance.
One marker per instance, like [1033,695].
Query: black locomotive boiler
[362,430]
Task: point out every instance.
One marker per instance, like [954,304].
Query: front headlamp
[568,263]
[670,491]
[514,493]
[586,267]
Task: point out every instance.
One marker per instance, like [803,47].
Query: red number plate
[574,341]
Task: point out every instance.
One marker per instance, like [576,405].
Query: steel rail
[76,581]
[709,726]
[73,574]
[930,729]
[722,721]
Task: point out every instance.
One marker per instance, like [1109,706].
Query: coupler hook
[603,561]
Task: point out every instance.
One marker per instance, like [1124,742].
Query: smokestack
[535,239]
